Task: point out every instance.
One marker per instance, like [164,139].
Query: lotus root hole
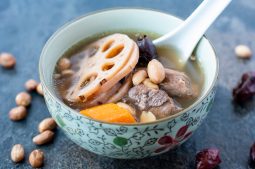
[107,45]
[115,51]
[107,66]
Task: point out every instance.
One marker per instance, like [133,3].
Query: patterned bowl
[123,140]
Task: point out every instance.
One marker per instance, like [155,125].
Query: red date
[245,90]
[252,155]
[147,50]
[208,158]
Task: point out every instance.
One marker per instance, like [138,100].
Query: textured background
[25,25]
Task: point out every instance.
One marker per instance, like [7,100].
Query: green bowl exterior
[127,141]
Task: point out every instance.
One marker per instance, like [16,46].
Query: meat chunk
[144,97]
[169,108]
[156,101]
[177,84]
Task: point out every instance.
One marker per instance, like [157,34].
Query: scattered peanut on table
[43,138]
[7,60]
[243,51]
[156,71]
[31,85]
[18,113]
[36,158]
[47,124]
[17,153]
[23,99]
[39,89]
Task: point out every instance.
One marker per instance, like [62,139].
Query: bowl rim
[45,87]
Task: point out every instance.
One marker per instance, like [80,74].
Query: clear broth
[169,59]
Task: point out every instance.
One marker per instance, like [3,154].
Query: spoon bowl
[184,38]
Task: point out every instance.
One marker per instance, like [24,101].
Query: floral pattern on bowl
[128,141]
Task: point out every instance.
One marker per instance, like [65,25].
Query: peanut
[147,82]
[147,117]
[18,113]
[23,99]
[39,89]
[127,107]
[7,60]
[243,52]
[43,138]
[156,71]
[64,64]
[31,84]
[57,76]
[36,158]
[17,153]
[67,72]
[139,77]
[47,124]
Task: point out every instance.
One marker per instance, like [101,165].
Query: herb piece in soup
[245,90]
[147,50]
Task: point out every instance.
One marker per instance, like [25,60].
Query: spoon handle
[185,37]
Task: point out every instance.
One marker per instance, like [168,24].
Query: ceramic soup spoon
[185,37]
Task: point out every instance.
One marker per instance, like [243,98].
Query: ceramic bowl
[123,140]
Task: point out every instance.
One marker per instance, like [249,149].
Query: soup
[122,78]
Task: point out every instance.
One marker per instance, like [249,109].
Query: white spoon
[185,37]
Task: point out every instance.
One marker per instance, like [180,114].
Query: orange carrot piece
[109,113]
